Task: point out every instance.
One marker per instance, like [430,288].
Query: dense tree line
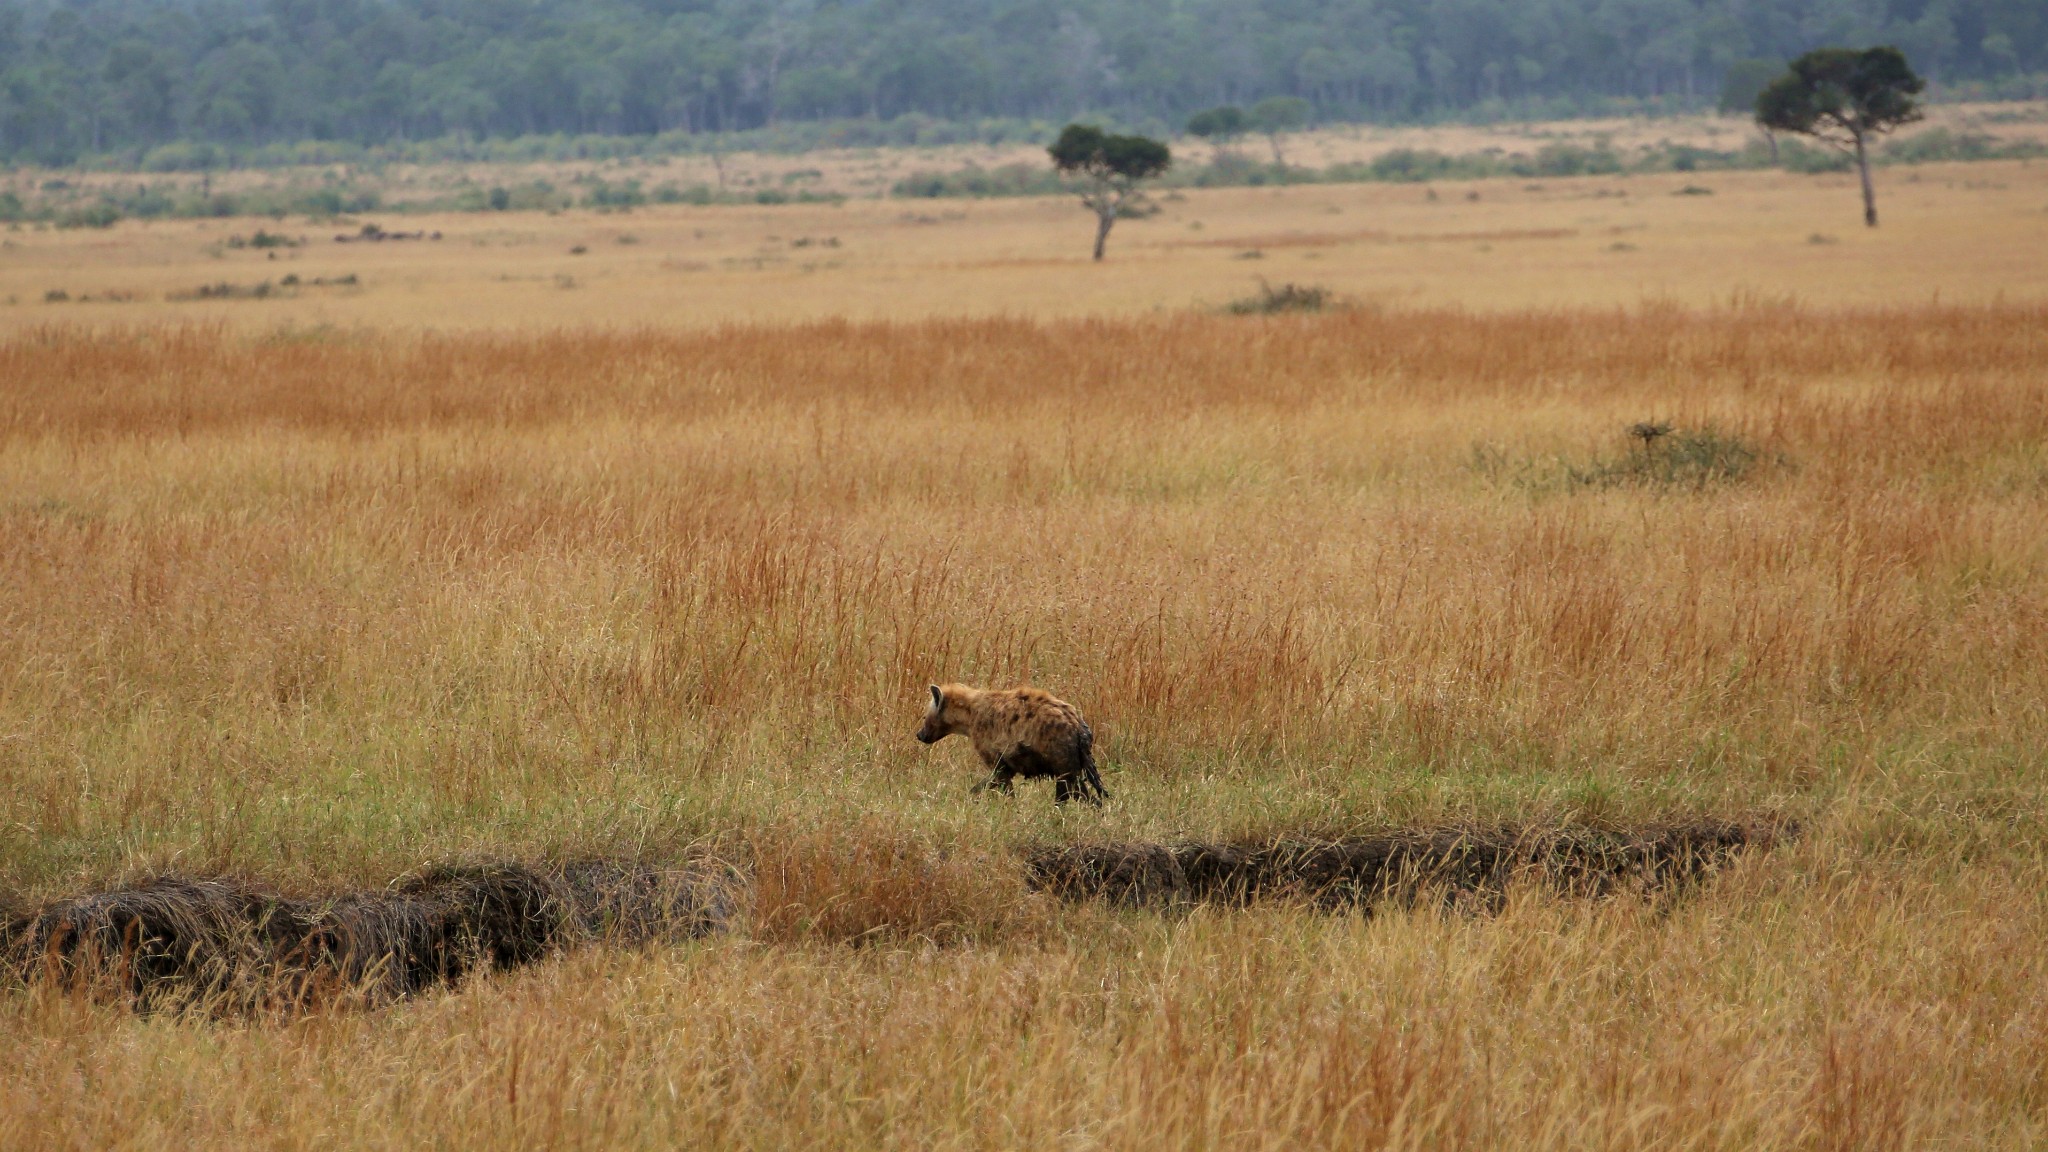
[96,76]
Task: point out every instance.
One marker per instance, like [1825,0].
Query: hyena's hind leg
[1065,788]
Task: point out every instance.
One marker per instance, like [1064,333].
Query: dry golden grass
[1959,233]
[322,610]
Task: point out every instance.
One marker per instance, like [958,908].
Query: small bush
[1673,459]
[224,291]
[694,194]
[625,194]
[1411,165]
[1938,144]
[976,182]
[1285,298]
[90,216]
[1797,156]
[1668,458]
[1570,160]
[264,239]
[292,281]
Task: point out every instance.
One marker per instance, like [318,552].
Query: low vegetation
[1286,298]
[72,204]
[1420,165]
[1664,459]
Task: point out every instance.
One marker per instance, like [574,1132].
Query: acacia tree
[1219,126]
[1276,116]
[1113,167]
[1844,97]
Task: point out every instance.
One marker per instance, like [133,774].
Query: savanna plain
[646,552]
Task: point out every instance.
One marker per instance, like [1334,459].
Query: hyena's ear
[938,698]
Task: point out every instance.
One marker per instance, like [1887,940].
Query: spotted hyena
[1023,732]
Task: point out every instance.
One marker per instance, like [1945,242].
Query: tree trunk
[1104,217]
[1869,197]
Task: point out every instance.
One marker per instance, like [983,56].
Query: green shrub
[624,194]
[89,216]
[1938,144]
[1669,459]
[1286,298]
[977,182]
[1682,460]
[1799,156]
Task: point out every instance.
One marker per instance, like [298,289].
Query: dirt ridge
[226,944]
[1361,871]
[233,946]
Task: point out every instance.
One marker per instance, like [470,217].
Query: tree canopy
[1844,96]
[1222,124]
[80,77]
[1085,150]
[1275,116]
[1111,167]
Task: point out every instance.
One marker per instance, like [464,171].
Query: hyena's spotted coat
[1023,732]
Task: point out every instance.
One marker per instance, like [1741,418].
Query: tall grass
[324,612]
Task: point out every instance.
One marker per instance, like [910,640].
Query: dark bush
[1286,298]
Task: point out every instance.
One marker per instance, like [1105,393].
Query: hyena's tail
[1091,780]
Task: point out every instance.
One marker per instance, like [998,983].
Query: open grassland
[1956,233]
[325,610]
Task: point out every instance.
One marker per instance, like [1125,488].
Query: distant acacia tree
[1219,126]
[1844,97]
[1275,116]
[1113,167]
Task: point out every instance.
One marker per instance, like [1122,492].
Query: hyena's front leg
[1001,774]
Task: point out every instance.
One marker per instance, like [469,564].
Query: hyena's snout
[933,729]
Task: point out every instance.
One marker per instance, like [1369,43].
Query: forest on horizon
[85,78]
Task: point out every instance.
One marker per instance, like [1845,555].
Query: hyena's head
[940,716]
